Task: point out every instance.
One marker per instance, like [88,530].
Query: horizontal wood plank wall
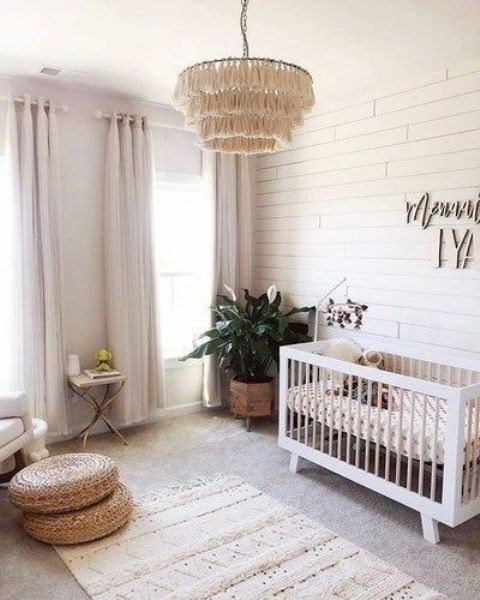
[334,205]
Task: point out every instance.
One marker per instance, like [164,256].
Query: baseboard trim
[182,409]
[162,414]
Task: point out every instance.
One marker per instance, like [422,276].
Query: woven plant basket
[87,524]
[63,483]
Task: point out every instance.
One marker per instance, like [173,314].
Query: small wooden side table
[81,386]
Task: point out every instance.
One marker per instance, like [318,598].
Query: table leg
[113,429]
[99,409]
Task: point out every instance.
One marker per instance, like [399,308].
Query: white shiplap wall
[334,205]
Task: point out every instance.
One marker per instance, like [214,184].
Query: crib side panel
[368,425]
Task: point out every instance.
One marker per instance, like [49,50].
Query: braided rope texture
[63,483]
[84,525]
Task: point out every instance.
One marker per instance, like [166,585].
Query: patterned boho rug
[224,539]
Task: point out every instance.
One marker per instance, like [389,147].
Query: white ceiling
[137,47]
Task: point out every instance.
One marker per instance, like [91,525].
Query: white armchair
[16,430]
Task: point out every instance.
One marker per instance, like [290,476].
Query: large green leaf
[247,335]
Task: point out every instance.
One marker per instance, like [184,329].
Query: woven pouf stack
[71,498]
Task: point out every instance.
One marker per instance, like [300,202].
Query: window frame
[179,181]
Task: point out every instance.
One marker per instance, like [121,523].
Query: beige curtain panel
[132,327]
[37,342]
[232,261]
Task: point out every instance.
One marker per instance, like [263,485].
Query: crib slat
[324,393]
[307,409]
[389,434]
[421,469]
[377,443]
[429,371]
[349,417]
[315,406]
[466,480]
[358,441]
[398,466]
[367,436]
[411,431]
[331,404]
[300,393]
[292,395]
[433,483]
[340,419]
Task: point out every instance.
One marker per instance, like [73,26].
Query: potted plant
[246,338]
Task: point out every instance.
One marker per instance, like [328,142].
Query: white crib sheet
[381,426]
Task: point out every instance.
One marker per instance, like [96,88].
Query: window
[183,255]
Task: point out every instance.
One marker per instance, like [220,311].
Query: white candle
[73,365]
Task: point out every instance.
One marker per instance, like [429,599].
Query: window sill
[174,363]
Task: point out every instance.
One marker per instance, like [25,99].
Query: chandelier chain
[243,27]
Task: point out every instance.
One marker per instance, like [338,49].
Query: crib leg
[294,462]
[430,529]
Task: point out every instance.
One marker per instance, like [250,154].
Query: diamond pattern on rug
[226,540]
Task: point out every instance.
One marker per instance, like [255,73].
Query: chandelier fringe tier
[244,105]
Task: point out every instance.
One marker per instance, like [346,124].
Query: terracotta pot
[251,399]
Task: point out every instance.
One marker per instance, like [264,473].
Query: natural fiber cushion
[83,525]
[63,483]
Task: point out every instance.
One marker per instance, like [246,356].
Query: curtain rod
[19,99]
[101,115]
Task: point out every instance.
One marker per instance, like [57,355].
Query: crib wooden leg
[294,462]
[430,529]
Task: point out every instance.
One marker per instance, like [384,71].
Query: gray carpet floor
[208,443]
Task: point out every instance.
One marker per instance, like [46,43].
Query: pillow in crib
[346,350]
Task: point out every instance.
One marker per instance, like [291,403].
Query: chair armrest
[13,404]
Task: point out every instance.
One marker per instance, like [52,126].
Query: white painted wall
[334,206]
[82,141]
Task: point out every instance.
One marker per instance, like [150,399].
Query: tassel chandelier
[244,105]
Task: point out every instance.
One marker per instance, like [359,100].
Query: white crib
[410,431]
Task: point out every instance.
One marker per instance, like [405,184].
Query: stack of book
[94,374]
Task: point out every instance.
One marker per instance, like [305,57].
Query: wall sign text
[457,247]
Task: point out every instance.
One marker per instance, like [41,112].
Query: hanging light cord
[246,53]
[243,27]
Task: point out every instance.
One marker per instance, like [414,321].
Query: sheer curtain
[232,255]
[132,329]
[36,342]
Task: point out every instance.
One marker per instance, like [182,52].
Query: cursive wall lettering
[453,247]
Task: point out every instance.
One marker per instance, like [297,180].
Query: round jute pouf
[85,525]
[63,483]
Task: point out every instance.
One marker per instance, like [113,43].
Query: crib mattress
[374,423]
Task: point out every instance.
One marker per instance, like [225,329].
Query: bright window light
[183,249]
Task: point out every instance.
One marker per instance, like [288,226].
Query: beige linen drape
[37,344]
[232,256]
[132,326]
